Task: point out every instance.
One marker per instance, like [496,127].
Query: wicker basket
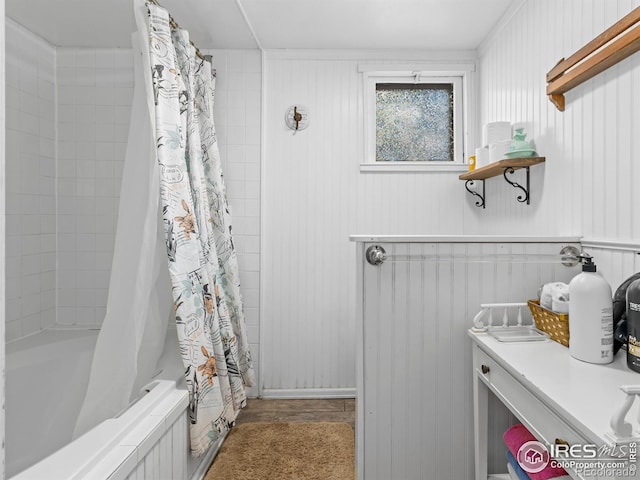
[556,325]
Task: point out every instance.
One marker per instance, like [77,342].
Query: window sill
[410,167]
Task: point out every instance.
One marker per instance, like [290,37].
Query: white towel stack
[555,296]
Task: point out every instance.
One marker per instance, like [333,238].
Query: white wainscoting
[167,457]
[415,409]
[616,261]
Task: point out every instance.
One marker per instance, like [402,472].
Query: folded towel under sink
[514,466]
[516,437]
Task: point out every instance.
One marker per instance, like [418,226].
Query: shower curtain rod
[176,26]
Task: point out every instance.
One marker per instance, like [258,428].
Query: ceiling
[270,24]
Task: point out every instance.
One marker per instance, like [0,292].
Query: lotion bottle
[590,315]
[633,325]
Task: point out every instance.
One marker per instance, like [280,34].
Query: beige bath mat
[286,451]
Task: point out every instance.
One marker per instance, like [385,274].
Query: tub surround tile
[30,172]
[75,104]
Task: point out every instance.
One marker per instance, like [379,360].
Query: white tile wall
[237,116]
[62,215]
[95,88]
[30,183]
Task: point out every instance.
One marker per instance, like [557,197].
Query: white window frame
[457,74]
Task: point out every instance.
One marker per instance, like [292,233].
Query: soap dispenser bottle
[590,315]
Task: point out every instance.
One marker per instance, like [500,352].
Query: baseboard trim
[303,393]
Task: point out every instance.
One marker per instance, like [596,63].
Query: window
[414,120]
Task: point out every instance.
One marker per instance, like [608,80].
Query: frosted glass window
[414,122]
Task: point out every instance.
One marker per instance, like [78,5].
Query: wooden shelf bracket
[610,47]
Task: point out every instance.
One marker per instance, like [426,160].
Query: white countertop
[585,394]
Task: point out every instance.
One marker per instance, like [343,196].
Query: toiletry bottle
[472,163]
[590,315]
[633,325]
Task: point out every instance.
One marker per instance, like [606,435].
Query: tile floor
[276,410]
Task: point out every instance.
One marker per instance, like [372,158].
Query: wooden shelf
[611,46]
[497,168]
[504,168]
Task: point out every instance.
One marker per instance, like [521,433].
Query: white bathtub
[46,377]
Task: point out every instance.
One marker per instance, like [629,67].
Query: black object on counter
[633,326]
[620,313]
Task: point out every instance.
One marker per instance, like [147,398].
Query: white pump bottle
[590,315]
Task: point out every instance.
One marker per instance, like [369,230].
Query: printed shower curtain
[202,261]
[173,211]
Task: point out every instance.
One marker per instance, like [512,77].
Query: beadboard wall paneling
[168,456]
[309,206]
[415,405]
[616,263]
[314,198]
[314,194]
[586,185]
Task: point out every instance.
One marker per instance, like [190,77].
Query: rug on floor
[286,451]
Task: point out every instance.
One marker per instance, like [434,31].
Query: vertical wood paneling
[615,265]
[167,458]
[586,185]
[315,196]
[179,435]
[309,213]
[416,397]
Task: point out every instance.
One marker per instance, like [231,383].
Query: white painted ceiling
[314,24]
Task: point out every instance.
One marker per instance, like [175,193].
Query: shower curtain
[132,335]
[202,262]
[197,241]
